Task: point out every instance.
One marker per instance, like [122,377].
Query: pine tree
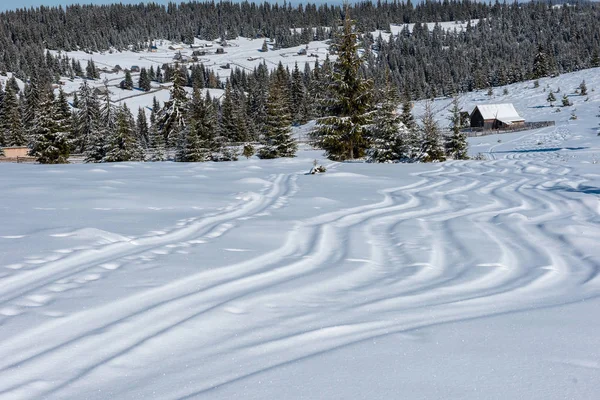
[541,65]
[122,144]
[432,148]
[172,118]
[90,70]
[457,145]
[156,146]
[387,134]
[97,141]
[63,115]
[144,81]
[264,47]
[277,139]
[32,103]
[11,125]
[234,121]
[299,109]
[565,101]
[87,118]
[551,99]
[142,128]
[50,144]
[155,110]
[191,147]
[342,133]
[128,82]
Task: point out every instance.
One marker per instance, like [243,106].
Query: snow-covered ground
[241,53]
[251,280]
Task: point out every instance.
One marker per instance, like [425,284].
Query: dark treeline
[502,48]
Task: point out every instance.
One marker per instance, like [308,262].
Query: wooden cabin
[496,116]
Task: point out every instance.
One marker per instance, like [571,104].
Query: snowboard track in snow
[420,265]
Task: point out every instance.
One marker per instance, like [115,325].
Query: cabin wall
[476,119]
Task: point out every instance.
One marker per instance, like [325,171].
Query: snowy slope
[242,53]
[252,280]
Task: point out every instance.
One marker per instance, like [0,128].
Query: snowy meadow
[251,279]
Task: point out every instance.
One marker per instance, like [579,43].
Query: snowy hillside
[252,280]
[242,53]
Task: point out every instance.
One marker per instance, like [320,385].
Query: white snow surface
[252,280]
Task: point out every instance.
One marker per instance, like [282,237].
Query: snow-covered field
[241,53]
[252,280]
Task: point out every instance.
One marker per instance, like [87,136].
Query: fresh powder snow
[470,279]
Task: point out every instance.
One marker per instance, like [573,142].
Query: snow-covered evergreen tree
[432,147]
[342,132]
[144,81]
[234,122]
[172,118]
[91,72]
[156,146]
[277,138]
[62,114]
[387,134]
[50,141]
[127,83]
[12,132]
[32,94]
[97,141]
[122,144]
[456,145]
[191,147]
[87,118]
[142,128]
[298,106]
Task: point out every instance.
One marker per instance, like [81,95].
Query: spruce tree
[387,134]
[156,146]
[12,132]
[277,139]
[32,103]
[97,143]
[128,81]
[50,142]
[457,143]
[191,147]
[87,118]
[234,121]
[90,70]
[141,124]
[551,99]
[298,106]
[349,110]
[122,144]
[144,82]
[432,148]
[172,118]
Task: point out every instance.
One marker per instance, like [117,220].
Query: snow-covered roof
[502,112]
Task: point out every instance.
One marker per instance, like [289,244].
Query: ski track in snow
[393,284]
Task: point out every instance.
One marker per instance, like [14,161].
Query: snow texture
[254,280]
